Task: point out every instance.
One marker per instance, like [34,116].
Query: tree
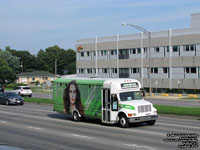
[6,73]
[27,61]
[12,61]
[66,60]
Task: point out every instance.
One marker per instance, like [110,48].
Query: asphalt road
[37,127]
[158,101]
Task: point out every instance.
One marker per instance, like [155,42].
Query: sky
[38,24]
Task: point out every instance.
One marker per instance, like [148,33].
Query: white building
[174,57]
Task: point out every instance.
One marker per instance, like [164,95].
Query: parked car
[9,98]
[23,91]
[1,88]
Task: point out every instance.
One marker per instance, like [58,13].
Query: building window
[190,70]
[114,70]
[82,54]
[138,50]
[133,51]
[104,70]
[193,70]
[81,71]
[165,70]
[105,53]
[101,53]
[167,49]
[135,70]
[189,47]
[156,50]
[88,53]
[145,49]
[187,70]
[33,79]
[89,71]
[175,48]
[113,52]
[154,70]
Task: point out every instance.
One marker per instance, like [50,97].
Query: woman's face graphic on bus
[72,93]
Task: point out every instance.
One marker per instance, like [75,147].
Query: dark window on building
[165,70]
[187,70]
[138,50]
[145,49]
[157,50]
[112,52]
[193,70]
[82,54]
[88,53]
[114,70]
[187,47]
[192,47]
[133,51]
[154,70]
[105,70]
[175,48]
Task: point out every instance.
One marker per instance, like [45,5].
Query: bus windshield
[131,95]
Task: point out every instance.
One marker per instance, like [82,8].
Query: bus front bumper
[142,119]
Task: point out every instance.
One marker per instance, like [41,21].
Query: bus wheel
[123,121]
[76,116]
[152,122]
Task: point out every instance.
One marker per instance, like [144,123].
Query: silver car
[23,91]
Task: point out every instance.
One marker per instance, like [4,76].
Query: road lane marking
[139,147]
[81,136]
[3,121]
[35,128]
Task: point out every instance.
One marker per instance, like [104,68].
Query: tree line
[14,61]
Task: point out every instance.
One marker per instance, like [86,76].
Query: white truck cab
[127,103]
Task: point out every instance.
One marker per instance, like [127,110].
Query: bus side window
[114,102]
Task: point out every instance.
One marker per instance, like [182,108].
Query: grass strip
[38,100]
[178,110]
[192,98]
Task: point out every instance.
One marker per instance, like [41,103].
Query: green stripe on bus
[126,106]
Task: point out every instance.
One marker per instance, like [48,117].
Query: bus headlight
[155,112]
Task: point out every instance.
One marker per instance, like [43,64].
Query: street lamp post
[149,36]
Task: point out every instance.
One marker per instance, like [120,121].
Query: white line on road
[81,136]
[3,121]
[139,147]
[35,128]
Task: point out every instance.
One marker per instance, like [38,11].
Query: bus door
[106,105]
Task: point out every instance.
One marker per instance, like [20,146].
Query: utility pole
[55,67]
[21,65]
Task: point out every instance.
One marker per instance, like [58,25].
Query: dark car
[9,98]
[1,88]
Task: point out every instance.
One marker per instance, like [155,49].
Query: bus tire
[152,122]
[75,116]
[123,121]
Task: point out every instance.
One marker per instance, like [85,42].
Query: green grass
[192,98]
[38,100]
[177,110]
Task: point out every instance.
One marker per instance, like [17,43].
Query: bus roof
[95,81]
[81,81]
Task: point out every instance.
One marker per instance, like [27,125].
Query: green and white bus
[110,100]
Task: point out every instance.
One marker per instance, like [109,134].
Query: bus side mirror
[143,93]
